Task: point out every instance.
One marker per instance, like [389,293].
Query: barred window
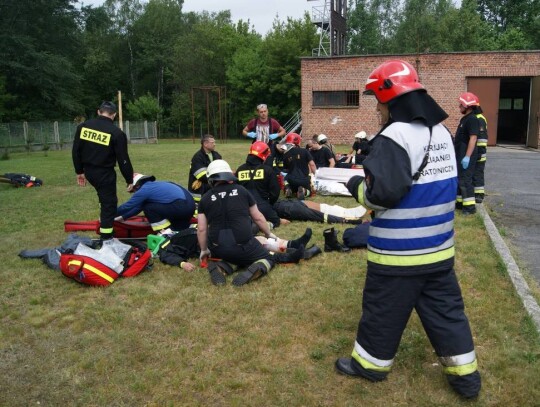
[339,98]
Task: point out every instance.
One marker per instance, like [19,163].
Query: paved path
[513,196]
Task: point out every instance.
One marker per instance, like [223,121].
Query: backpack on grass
[100,268]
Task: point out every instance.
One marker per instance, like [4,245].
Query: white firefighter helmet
[361,135]
[219,170]
[321,138]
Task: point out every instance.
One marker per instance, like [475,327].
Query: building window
[336,98]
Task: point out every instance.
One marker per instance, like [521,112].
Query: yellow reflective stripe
[461,370]
[162,224]
[361,194]
[95,136]
[98,272]
[415,260]
[74,263]
[105,230]
[366,364]
[201,173]
[481,144]
[482,159]
[325,218]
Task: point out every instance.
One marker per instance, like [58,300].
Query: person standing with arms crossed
[410,182]
[97,146]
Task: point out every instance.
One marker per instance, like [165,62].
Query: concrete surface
[512,179]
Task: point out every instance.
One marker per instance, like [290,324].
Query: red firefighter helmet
[392,79]
[293,138]
[260,149]
[468,99]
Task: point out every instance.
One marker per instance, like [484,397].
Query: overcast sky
[261,14]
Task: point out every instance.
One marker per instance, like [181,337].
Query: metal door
[487,90]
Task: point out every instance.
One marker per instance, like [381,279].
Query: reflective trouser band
[106,230]
[325,218]
[469,201]
[415,260]
[92,269]
[481,144]
[481,159]
[162,224]
[366,364]
[479,190]
[459,199]
[461,370]
[201,173]
[265,263]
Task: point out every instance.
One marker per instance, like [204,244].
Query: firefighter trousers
[388,302]
[104,181]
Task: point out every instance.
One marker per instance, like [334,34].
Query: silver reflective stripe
[417,212]
[162,224]
[446,245]
[199,171]
[458,360]
[412,233]
[377,362]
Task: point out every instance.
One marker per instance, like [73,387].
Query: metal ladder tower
[331,20]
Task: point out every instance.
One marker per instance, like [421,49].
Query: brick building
[507,83]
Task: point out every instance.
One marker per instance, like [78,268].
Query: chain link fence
[36,135]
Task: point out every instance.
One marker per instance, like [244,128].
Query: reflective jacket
[482,140]
[413,229]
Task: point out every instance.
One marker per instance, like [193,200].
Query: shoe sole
[246,277]
[217,276]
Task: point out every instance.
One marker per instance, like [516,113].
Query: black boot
[256,270]
[312,252]
[301,241]
[292,255]
[331,243]
[219,271]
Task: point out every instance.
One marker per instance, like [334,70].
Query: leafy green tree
[202,55]
[124,14]
[5,98]
[282,49]
[372,25]
[145,107]
[155,32]
[103,74]
[39,42]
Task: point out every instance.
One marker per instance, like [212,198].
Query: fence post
[155,131]
[56,134]
[25,132]
[146,131]
[127,130]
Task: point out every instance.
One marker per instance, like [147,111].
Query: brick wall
[443,75]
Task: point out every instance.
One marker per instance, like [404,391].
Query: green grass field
[169,337]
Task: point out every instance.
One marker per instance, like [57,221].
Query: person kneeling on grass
[169,207]
[224,230]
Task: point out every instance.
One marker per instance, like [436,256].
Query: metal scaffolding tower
[331,20]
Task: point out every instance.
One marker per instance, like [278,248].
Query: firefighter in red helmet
[299,164]
[410,183]
[261,180]
[471,100]
[465,140]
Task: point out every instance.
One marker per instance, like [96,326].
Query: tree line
[60,58]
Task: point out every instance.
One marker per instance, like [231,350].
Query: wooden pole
[121,122]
